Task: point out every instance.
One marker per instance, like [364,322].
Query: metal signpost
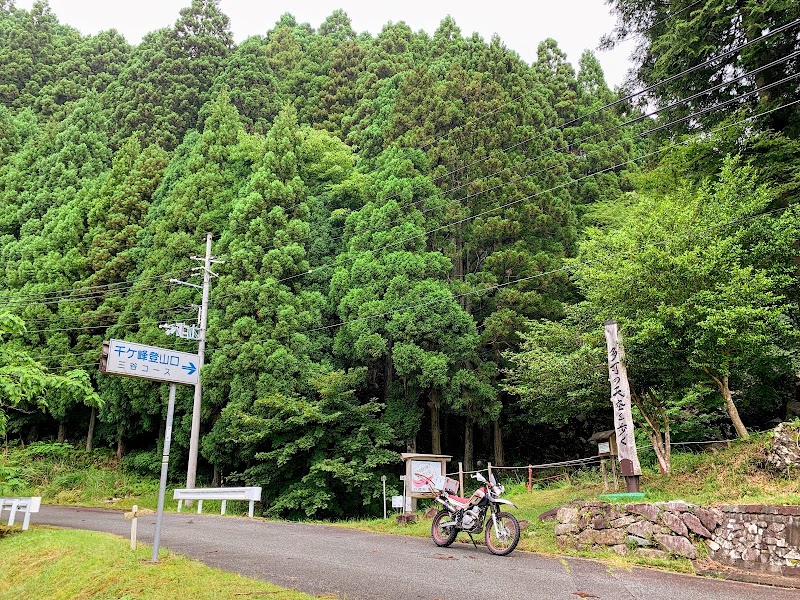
[130,359]
[151,362]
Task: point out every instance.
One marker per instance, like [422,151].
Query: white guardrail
[29,505]
[247,494]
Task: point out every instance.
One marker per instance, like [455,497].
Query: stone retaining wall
[756,537]
[648,530]
[765,538]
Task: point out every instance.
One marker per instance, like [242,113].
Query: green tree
[160,91]
[677,36]
[24,381]
[318,456]
[687,289]
[248,78]
[400,318]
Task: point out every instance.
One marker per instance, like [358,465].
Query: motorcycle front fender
[504,501]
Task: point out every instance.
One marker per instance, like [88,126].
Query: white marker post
[383,481]
[134,524]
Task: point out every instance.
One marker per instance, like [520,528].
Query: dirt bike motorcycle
[481,512]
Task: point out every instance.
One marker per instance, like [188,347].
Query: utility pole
[194,439]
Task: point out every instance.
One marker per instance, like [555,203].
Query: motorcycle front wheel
[443,536]
[502,540]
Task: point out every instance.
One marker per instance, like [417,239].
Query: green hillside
[422,237]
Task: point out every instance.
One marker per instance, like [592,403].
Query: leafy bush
[10,481]
[57,450]
[143,462]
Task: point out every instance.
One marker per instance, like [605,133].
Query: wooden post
[461,479]
[489,470]
[614,473]
[605,475]
[530,479]
[621,402]
[135,510]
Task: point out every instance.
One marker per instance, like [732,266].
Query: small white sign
[397,502]
[603,447]
[151,362]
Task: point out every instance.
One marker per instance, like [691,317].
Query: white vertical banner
[621,400]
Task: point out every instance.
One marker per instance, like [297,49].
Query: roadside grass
[70,564]
[64,475]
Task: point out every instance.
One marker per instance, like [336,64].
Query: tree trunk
[436,429]
[656,418]
[215,478]
[120,443]
[469,444]
[62,432]
[733,412]
[387,375]
[499,457]
[90,433]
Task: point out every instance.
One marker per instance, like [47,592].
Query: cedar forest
[423,235]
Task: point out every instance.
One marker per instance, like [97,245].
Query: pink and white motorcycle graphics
[481,512]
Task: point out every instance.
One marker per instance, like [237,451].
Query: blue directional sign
[151,362]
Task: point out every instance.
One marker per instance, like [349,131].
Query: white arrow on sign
[151,362]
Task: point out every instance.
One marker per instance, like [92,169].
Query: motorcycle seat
[458,500]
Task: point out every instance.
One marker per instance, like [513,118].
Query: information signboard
[151,362]
[420,471]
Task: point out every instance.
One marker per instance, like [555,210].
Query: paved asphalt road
[354,565]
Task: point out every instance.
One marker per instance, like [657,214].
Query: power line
[570,266]
[568,183]
[130,284]
[624,99]
[489,113]
[579,179]
[628,97]
[90,289]
[564,268]
[630,122]
[95,296]
[96,327]
[59,318]
[297,275]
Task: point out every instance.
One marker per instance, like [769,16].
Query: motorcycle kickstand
[473,540]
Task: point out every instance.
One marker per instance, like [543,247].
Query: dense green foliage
[422,236]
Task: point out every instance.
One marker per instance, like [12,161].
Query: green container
[623,497]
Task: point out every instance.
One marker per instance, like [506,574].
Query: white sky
[521,24]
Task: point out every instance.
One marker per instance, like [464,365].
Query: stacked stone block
[642,529]
[755,536]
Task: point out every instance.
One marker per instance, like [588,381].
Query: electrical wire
[631,96]
[484,290]
[90,290]
[79,298]
[571,266]
[428,232]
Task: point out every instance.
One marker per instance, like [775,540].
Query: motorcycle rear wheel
[503,540]
[443,536]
